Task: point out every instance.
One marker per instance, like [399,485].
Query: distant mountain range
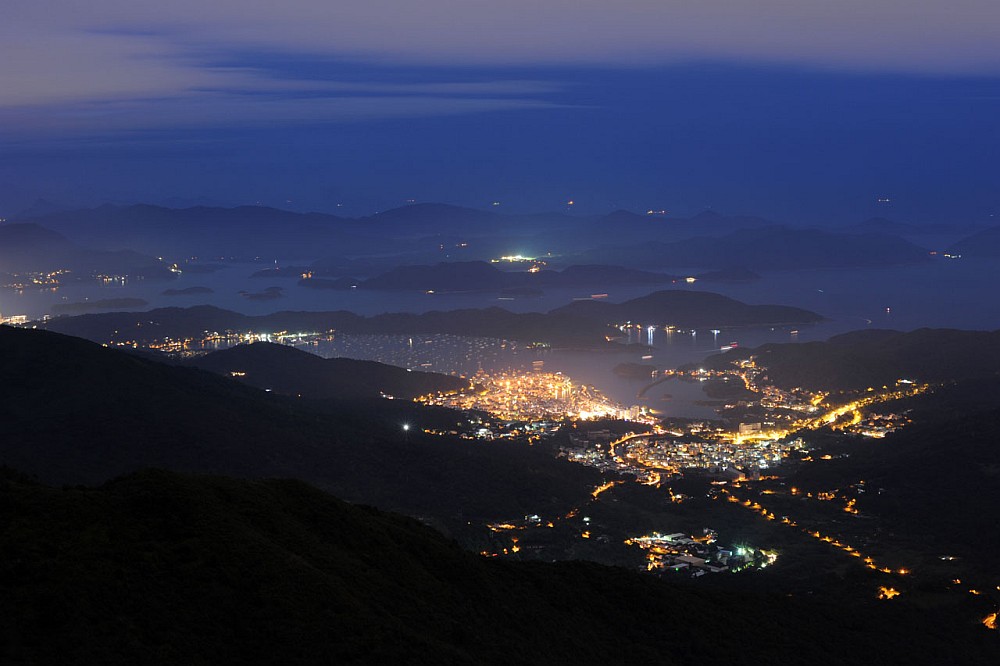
[772,247]
[209,233]
[429,233]
[881,225]
[423,231]
[27,248]
[82,307]
[986,243]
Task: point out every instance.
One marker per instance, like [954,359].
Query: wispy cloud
[234,110]
[107,63]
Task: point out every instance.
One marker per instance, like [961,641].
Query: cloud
[241,111]
[913,35]
[123,55]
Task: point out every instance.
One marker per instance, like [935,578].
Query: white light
[406,426]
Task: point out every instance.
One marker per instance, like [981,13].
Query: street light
[406,431]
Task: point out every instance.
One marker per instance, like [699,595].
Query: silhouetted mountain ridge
[208,232]
[292,371]
[30,248]
[771,247]
[986,243]
[420,231]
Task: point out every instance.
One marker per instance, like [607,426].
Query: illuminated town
[737,455]
[741,449]
[729,447]
[734,452]
[750,436]
[536,396]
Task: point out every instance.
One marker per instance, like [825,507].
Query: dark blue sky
[800,135]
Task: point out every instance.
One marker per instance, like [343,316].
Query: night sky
[802,111]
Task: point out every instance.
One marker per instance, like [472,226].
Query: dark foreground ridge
[158,567]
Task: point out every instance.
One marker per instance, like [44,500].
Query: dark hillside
[75,412]
[292,371]
[937,481]
[876,358]
[162,568]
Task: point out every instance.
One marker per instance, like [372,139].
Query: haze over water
[941,293]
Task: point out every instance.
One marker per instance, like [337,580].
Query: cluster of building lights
[533,396]
[14,320]
[43,280]
[699,555]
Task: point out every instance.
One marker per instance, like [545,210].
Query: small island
[342,284]
[188,291]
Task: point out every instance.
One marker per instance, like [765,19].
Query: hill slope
[857,360]
[162,568]
[295,372]
[75,412]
